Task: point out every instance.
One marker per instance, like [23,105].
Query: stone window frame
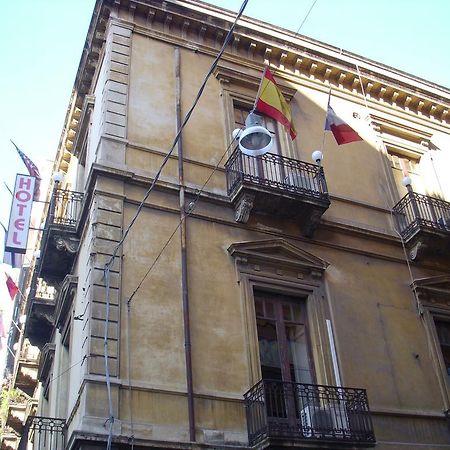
[241,88]
[278,266]
[433,297]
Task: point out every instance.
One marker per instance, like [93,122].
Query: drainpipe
[184,278]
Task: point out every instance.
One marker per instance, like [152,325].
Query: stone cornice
[203,27]
[260,43]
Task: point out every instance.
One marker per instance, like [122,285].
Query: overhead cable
[177,136]
[140,207]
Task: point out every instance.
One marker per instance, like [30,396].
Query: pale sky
[42,42]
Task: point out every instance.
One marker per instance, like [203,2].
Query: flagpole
[17,326]
[259,90]
[10,351]
[7,187]
[325,123]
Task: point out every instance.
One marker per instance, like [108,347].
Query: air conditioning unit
[325,421]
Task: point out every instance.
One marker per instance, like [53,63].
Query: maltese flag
[342,132]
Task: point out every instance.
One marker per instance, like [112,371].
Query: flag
[12,288]
[32,170]
[342,132]
[271,102]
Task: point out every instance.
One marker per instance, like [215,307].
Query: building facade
[232,301]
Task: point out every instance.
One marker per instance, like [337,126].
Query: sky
[42,42]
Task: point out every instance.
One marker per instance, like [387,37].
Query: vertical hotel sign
[19,219]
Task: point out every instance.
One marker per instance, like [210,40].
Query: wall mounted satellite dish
[254,140]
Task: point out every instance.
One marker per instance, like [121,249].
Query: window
[433,294]
[285,316]
[405,163]
[284,348]
[443,334]
[241,112]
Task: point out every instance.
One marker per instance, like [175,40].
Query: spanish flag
[271,102]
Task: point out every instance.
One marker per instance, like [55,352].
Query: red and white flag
[342,132]
[12,287]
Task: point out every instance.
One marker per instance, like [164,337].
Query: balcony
[26,378]
[45,433]
[305,415]
[278,186]
[60,238]
[41,311]
[10,440]
[424,225]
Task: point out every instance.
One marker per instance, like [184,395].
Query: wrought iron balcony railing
[306,412]
[276,172]
[65,208]
[60,239]
[45,433]
[417,211]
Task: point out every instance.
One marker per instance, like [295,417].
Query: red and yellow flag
[272,103]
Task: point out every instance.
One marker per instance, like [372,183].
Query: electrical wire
[106,354]
[68,368]
[130,402]
[304,20]
[139,209]
[177,136]
[188,213]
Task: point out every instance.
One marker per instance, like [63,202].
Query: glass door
[284,352]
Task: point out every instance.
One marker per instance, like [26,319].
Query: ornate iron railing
[305,412]
[276,172]
[45,433]
[65,208]
[416,211]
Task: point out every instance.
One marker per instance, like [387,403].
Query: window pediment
[250,80]
[280,254]
[434,289]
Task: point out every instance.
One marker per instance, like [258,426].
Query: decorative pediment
[433,289]
[278,253]
[249,79]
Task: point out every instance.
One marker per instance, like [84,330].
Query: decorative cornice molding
[202,27]
[259,43]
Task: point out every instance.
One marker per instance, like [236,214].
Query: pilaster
[106,222]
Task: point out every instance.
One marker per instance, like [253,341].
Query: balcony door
[284,348]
